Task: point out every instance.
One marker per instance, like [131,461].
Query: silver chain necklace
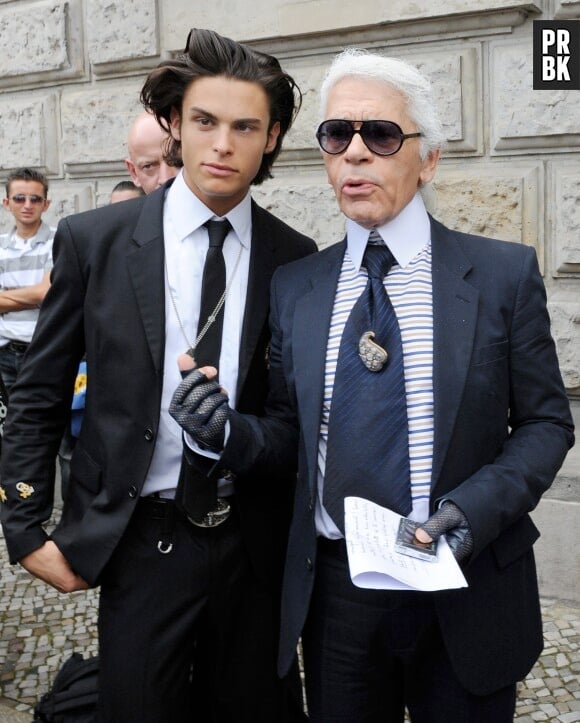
[211,318]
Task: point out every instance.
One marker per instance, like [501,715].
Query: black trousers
[11,357]
[368,654]
[190,634]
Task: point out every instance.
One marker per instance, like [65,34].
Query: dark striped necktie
[368,434]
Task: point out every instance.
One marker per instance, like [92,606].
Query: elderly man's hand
[200,407]
[450,521]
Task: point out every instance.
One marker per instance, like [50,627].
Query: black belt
[17,346]
[167,512]
[156,508]
[162,508]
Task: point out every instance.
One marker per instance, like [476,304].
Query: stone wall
[71,71]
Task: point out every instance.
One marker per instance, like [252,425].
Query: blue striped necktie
[368,433]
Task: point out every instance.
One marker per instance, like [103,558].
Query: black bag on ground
[74,692]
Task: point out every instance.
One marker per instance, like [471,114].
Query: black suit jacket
[502,427]
[107,299]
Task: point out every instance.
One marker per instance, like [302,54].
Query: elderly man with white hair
[411,365]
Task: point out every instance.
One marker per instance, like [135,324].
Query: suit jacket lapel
[309,339]
[145,260]
[455,308]
[262,266]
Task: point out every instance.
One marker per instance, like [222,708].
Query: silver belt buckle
[215,517]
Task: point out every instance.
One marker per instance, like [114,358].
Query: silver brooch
[373,355]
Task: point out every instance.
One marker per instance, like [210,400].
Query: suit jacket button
[133,491]
[309,564]
[311,504]
[149,434]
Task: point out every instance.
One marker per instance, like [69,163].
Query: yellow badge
[3,497]
[80,383]
[25,490]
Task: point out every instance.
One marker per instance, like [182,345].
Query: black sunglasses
[20,198]
[382,137]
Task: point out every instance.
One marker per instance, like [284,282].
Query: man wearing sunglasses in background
[469,423]
[25,263]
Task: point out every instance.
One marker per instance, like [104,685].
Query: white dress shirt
[186,243]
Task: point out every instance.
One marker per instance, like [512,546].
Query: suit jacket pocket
[489,353]
[515,541]
[85,470]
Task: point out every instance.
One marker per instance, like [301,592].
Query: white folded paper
[370,532]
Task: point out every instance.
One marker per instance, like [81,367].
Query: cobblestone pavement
[40,628]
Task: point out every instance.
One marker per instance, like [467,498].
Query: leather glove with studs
[450,521]
[201,409]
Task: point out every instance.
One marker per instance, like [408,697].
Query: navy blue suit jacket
[502,428]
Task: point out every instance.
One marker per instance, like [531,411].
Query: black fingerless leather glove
[201,409]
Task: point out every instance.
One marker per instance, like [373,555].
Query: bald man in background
[145,144]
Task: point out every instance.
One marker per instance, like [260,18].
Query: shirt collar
[12,240]
[405,235]
[188,213]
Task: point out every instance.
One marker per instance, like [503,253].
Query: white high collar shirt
[405,235]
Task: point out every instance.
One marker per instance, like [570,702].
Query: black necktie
[368,435]
[196,491]
[207,351]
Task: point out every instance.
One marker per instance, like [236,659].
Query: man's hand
[48,563]
[450,521]
[200,407]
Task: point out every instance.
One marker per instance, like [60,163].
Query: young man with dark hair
[182,598]
[25,263]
